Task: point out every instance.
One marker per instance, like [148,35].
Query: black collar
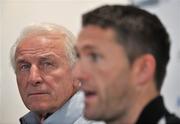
[153,112]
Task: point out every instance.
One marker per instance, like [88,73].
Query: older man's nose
[34,75]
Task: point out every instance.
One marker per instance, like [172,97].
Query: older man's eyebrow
[46,57]
[20,61]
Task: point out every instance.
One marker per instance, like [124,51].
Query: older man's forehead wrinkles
[48,55]
[33,50]
[39,54]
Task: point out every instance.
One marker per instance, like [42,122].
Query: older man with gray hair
[42,58]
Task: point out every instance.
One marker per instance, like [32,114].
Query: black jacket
[155,111]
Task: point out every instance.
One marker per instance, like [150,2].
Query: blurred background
[16,14]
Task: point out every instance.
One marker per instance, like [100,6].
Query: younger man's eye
[94,57]
[77,55]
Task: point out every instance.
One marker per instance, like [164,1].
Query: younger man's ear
[144,69]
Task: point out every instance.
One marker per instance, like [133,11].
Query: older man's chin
[42,108]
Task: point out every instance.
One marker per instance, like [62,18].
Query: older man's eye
[47,64]
[24,67]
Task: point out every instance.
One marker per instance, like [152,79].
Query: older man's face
[43,73]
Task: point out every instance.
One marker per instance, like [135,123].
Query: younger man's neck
[135,110]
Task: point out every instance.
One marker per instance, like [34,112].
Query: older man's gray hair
[44,29]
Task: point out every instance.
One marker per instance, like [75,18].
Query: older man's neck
[44,116]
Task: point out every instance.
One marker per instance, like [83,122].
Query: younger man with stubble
[123,52]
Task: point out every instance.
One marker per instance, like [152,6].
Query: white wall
[0,56]
[17,14]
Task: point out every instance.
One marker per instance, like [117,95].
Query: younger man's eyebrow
[86,47]
[89,47]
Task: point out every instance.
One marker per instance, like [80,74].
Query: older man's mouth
[37,93]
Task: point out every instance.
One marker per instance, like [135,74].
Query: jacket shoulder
[172,119]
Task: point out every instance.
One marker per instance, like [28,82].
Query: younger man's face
[105,73]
